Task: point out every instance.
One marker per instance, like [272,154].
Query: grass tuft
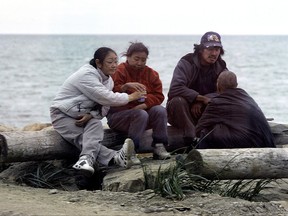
[174,182]
[46,175]
[245,189]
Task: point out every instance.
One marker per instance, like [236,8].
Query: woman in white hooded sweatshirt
[82,101]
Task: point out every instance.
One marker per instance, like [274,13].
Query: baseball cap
[210,39]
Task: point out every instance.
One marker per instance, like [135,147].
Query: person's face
[210,55]
[137,60]
[109,64]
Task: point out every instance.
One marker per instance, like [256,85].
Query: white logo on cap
[213,37]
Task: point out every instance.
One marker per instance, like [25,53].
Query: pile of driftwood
[47,144]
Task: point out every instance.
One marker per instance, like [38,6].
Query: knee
[94,124]
[179,100]
[177,103]
[159,111]
[140,115]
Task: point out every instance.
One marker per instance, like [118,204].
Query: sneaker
[123,156]
[135,160]
[160,152]
[85,165]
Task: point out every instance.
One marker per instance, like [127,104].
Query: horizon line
[125,34]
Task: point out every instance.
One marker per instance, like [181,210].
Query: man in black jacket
[194,83]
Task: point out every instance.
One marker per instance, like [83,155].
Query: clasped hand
[82,120]
[135,85]
[139,90]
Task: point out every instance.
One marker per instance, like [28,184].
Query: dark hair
[136,47]
[101,54]
[198,48]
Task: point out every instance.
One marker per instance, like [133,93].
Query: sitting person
[138,116]
[193,84]
[233,119]
[82,101]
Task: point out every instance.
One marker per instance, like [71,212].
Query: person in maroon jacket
[193,84]
[147,113]
[233,119]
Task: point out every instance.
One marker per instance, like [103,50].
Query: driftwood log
[20,146]
[250,163]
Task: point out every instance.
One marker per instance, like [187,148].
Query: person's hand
[196,109]
[83,120]
[136,95]
[135,86]
[202,99]
[206,100]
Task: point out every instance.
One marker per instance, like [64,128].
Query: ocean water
[33,67]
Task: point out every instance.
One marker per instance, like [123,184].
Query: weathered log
[212,164]
[280,133]
[20,146]
[249,163]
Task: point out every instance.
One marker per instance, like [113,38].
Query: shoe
[160,153]
[135,160]
[85,165]
[123,156]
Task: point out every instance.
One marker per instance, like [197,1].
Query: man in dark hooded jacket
[193,83]
[233,119]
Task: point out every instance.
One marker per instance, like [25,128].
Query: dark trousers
[179,116]
[134,122]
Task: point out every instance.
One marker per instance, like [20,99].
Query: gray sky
[143,17]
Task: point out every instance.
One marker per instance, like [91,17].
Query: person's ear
[219,88]
[98,64]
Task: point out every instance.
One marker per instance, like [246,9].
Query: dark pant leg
[158,123]
[133,122]
[179,116]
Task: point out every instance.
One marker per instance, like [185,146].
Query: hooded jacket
[189,80]
[88,90]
